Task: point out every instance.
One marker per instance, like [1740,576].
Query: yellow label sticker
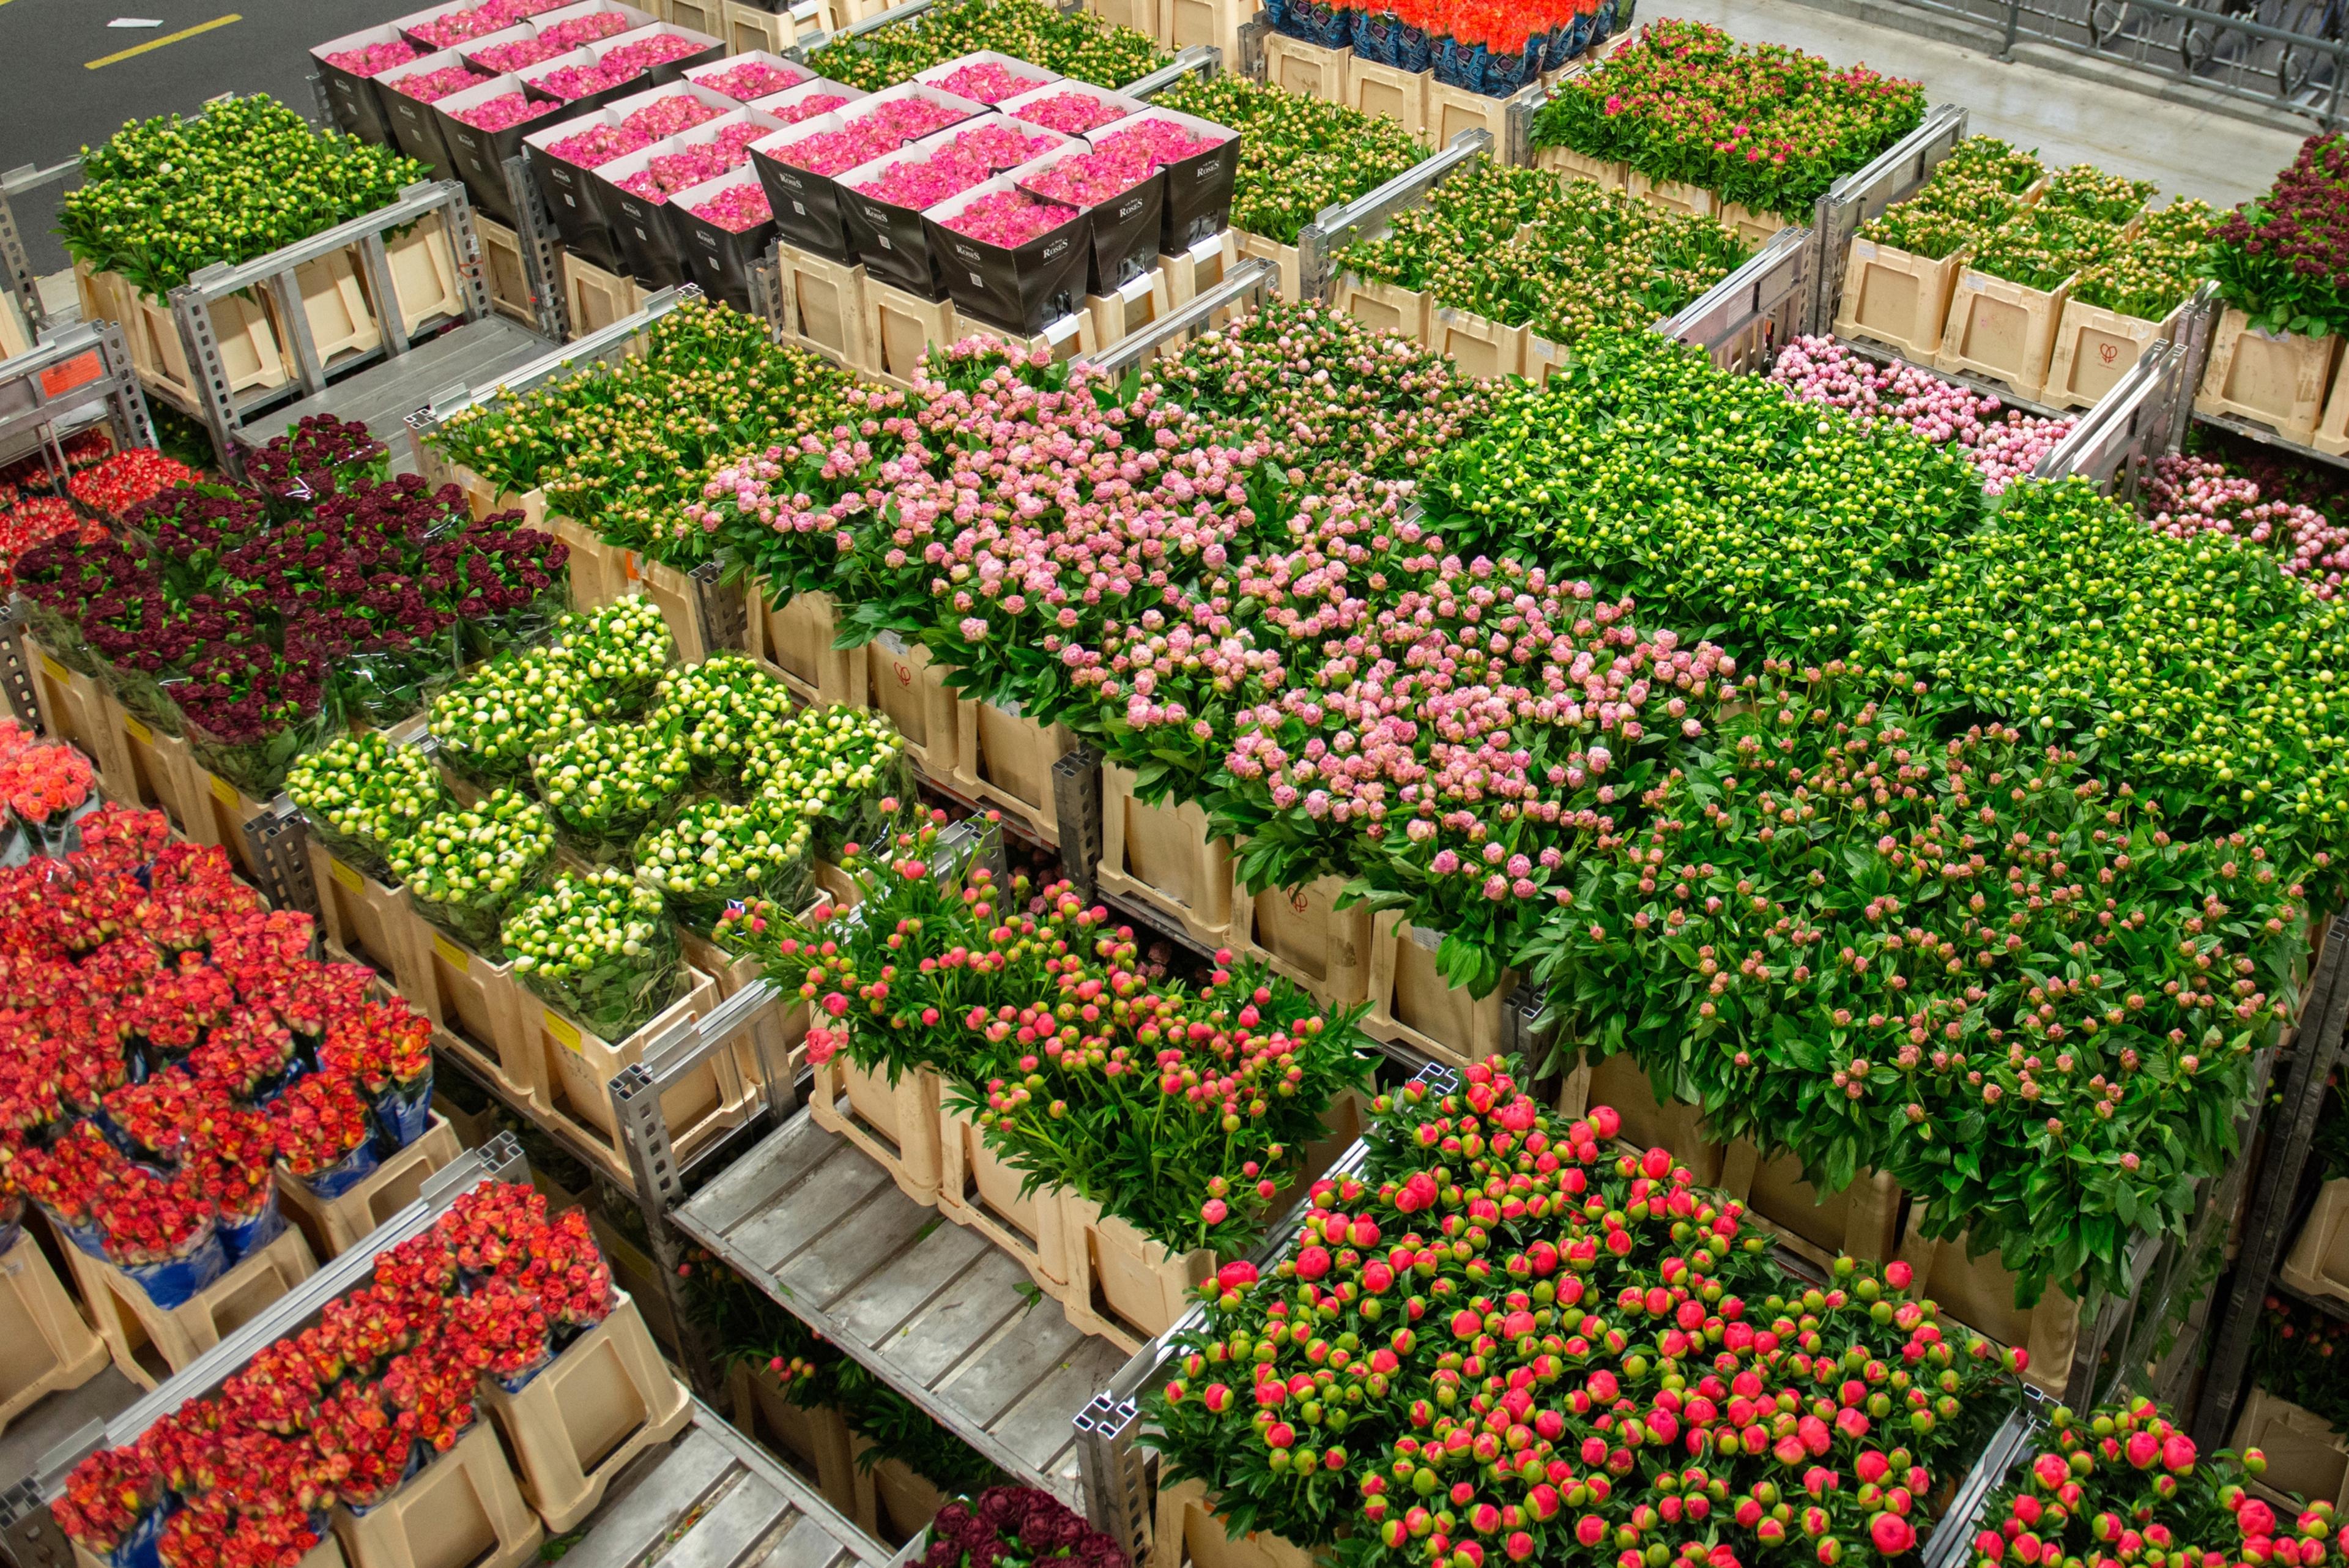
[223,791]
[343,873]
[456,957]
[57,672]
[562,1029]
[137,731]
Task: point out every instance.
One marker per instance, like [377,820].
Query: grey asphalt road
[52,103]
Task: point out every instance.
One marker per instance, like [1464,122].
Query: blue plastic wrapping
[242,1238]
[346,1173]
[177,1283]
[402,1114]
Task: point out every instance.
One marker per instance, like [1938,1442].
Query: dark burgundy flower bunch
[1013,1527]
[246,695]
[192,524]
[2284,259]
[319,456]
[497,566]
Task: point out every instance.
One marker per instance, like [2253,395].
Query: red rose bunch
[181,1004]
[249,1048]
[433,1385]
[199,1537]
[319,1122]
[158,1114]
[278,1391]
[500,1329]
[229,1160]
[149,1219]
[366,1448]
[378,1045]
[107,1494]
[128,477]
[121,839]
[66,1176]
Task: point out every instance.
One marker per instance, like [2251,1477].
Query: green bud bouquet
[1979,186]
[490,724]
[716,852]
[2042,246]
[833,766]
[604,784]
[2090,192]
[1073,43]
[2153,273]
[621,652]
[598,945]
[362,795]
[721,711]
[462,867]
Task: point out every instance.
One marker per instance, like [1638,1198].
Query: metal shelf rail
[28,1532]
[1741,319]
[1895,175]
[75,377]
[1251,284]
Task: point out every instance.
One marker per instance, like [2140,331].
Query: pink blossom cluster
[2188,495]
[668,116]
[881,129]
[987,81]
[643,54]
[374,59]
[753,78]
[505,111]
[737,207]
[429,87]
[571,83]
[1009,219]
[2004,446]
[1160,142]
[1072,113]
[665,173]
[453,28]
[1089,179]
[599,144]
[504,58]
[808,107]
[593,27]
[954,168]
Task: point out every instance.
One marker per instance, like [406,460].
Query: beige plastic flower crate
[221,812]
[1165,856]
[814,1438]
[1075,333]
[462,1510]
[1282,257]
[719,1094]
[750,28]
[1450,110]
[783,1030]
[2306,1455]
[1570,164]
[1185,23]
[1755,228]
[158,763]
[1479,346]
[72,709]
[1187,1530]
[900,327]
[1400,95]
[671,592]
[1384,306]
[906,1502]
[897,1124]
[2003,329]
[2094,347]
[334,1225]
[1979,1293]
[1898,298]
[504,272]
[1301,933]
[1201,268]
[2332,435]
[2276,378]
[1006,762]
[1142,15]
[594,298]
[241,327]
[45,1345]
[826,301]
[605,1399]
[366,920]
[2318,1265]
[150,1343]
[593,565]
[1412,1005]
[1675,196]
[1131,307]
[905,685]
[424,274]
[1863,1220]
[1124,1287]
[978,1189]
[1306,69]
[797,637]
[1647,1123]
[482,1005]
[1543,357]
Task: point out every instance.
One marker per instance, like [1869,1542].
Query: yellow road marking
[158,43]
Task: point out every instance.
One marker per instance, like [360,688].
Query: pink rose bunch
[429,87]
[599,144]
[522,53]
[809,106]
[571,83]
[753,78]
[453,28]
[987,81]
[505,111]
[2188,495]
[591,29]
[668,116]
[1089,179]
[883,129]
[737,207]
[374,59]
[2004,446]
[1072,113]
[1161,141]
[645,53]
[956,167]
[1009,219]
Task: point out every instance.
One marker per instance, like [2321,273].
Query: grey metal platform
[711,1497]
[382,397]
[935,1310]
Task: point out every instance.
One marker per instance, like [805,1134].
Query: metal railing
[2283,55]
[1740,320]
[1251,285]
[1336,227]
[1897,173]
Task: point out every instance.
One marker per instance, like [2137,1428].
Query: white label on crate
[560,1029]
[455,956]
[343,874]
[1977,281]
[1133,291]
[1422,937]
[1207,249]
[1449,317]
[894,643]
[1863,250]
[137,731]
